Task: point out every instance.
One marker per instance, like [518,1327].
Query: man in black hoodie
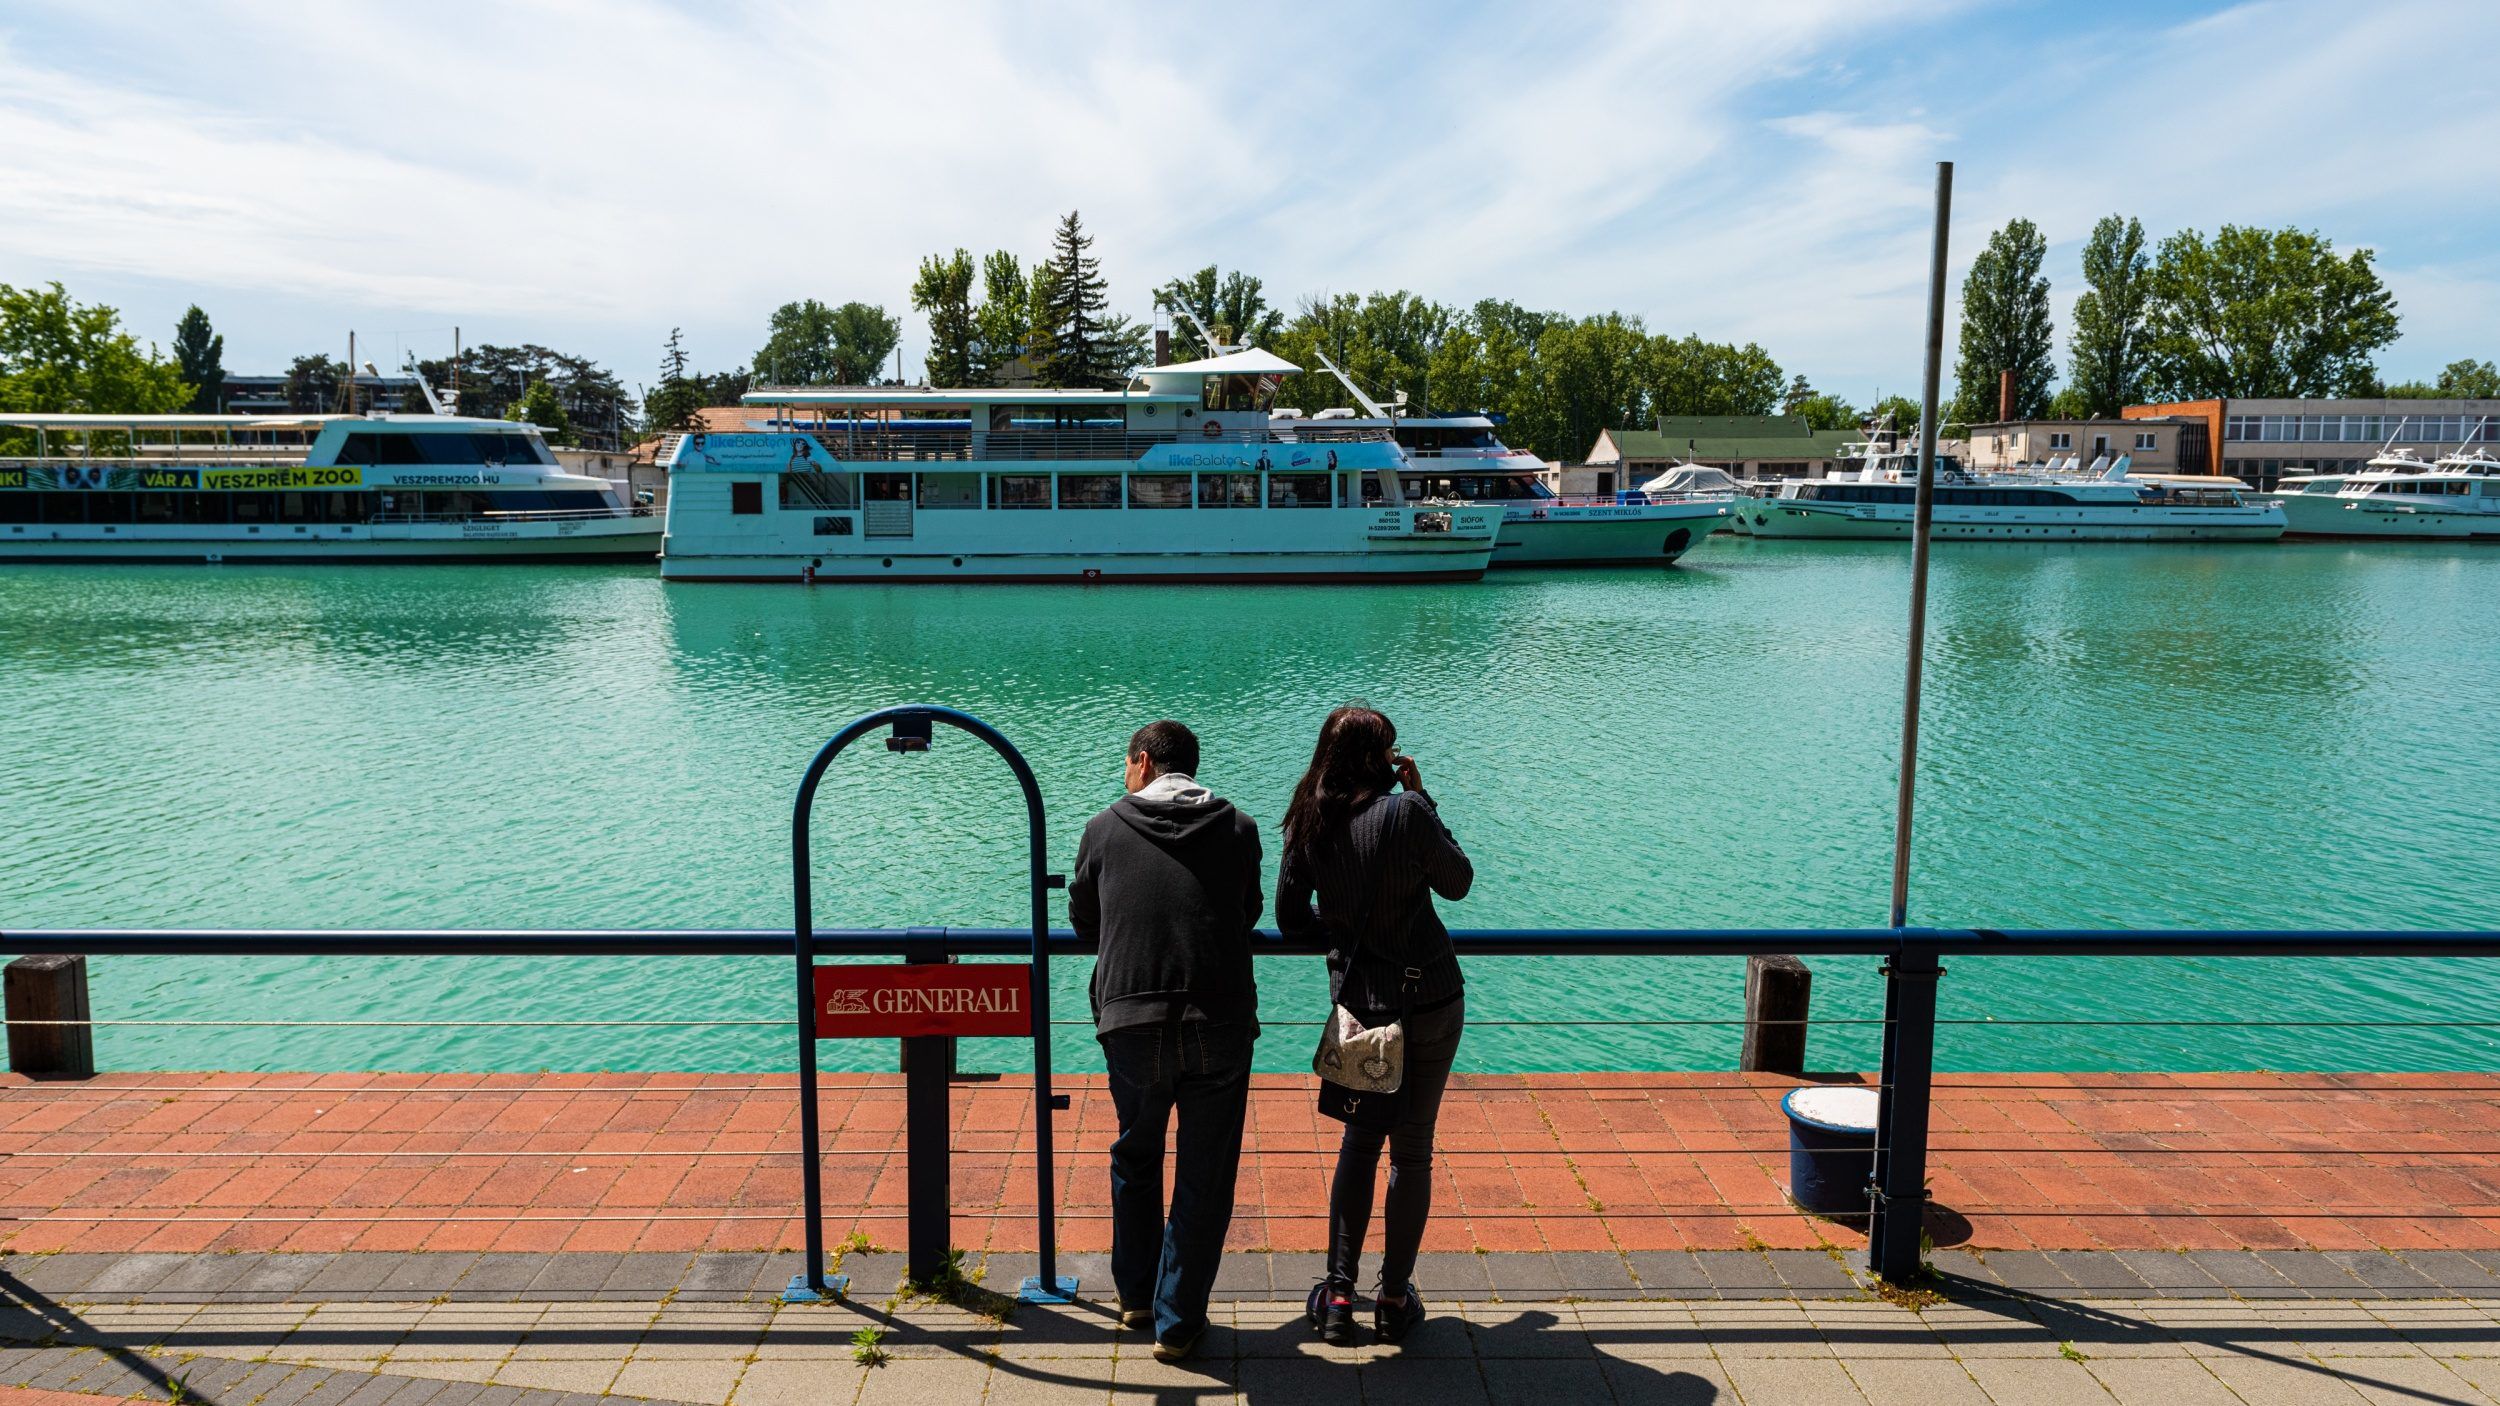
[1167,882]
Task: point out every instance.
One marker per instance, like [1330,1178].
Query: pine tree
[671,405]
[201,353]
[1075,351]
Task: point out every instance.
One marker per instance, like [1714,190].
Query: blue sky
[589,173]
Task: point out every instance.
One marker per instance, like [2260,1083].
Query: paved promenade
[1588,1163]
[549,1240]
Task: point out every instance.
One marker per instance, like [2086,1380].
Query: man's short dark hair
[1170,746]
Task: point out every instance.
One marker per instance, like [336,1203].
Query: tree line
[2245,313]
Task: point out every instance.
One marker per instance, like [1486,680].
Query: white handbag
[1371,1060]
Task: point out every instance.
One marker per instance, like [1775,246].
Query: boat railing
[881,444]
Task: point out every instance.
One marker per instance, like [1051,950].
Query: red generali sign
[936,998]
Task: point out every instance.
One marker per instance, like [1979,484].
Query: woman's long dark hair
[1349,767]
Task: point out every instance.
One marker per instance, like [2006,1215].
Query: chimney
[2005,395]
[1163,346]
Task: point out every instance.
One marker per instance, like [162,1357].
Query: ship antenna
[1370,406]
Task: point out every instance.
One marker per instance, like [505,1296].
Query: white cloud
[588,175]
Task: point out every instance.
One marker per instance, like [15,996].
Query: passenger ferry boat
[2053,504]
[1180,476]
[314,488]
[2454,499]
[1460,458]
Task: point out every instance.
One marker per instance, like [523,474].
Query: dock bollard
[1778,992]
[52,986]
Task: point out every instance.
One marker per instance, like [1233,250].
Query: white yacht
[1461,459]
[1179,476]
[2456,498]
[313,488]
[2054,503]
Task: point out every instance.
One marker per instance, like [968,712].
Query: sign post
[927,1002]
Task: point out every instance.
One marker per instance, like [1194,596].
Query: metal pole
[811,1170]
[928,1135]
[1895,1234]
[1925,521]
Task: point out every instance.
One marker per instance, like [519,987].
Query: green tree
[2265,313]
[1070,304]
[1898,416]
[1688,376]
[2458,380]
[1233,305]
[1826,412]
[540,406]
[864,338]
[201,354]
[492,379]
[672,404]
[1001,322]
[312,384]
[2107,344]
[59,356]
[943,294]
[2070,403]
[798,345]
[2005,326]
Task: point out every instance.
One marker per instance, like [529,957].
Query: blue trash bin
[1831,1148]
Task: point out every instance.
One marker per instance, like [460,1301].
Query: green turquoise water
[2237,736]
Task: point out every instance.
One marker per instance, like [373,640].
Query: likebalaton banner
[55,478]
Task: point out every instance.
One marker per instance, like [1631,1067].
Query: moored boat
[2052,504]
[2456,498]
[1178,476]
[313,488]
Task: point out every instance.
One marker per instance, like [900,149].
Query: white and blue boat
[1178,476]
[310,488]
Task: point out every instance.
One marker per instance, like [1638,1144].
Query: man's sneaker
[1392,1321]
[1176,1349]
[1136,1317]
[1331,1310]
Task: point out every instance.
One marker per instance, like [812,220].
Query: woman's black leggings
[1431,1052]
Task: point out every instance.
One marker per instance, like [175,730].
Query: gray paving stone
[2387,1273]
[1291,1273]
[53,1276]
[1522,1275]
[2309,1270]
[1425,1382]
[1537,1383]
[2170,1274]
[1007,1272]
[351,1274]
[573,1276]
[281,1274]
[643,1274]
[131,1275]
[2456,1271]
[2029,1270]
[1587,1272]
[1239,1277]
[1964,1273]
[1638,1383]
[499,1276]
[2240,1271]
[1664,1273]
[727,1273]
[2099,1271]
[1812,1272]
[422,1276]
[1745,1271]
[1442,1275]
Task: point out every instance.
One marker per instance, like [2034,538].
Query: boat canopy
[1250,361]
[1691,478]
[172,422]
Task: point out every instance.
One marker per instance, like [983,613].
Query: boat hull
[1775,518]
[2330,516]
[422,543]
[1652,534]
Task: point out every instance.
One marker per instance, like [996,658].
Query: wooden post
[48,987]
[1778,991]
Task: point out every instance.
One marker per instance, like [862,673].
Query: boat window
[21,507]
[950,490]
[816,490]
[1089,491]
[1019,490]
[1297,490]
[1228,490]
[745,499]
[1241,392]
[1158,490]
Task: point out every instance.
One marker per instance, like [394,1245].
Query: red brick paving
[1552,1161]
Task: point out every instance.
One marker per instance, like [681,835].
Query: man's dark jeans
[1204,1071]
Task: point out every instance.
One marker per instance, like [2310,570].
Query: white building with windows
[2152,445]
[2262,441]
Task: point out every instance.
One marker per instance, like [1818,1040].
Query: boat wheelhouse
[1461,459]
[1179,476]
[316,488]
[2454,499]
[2053,504]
